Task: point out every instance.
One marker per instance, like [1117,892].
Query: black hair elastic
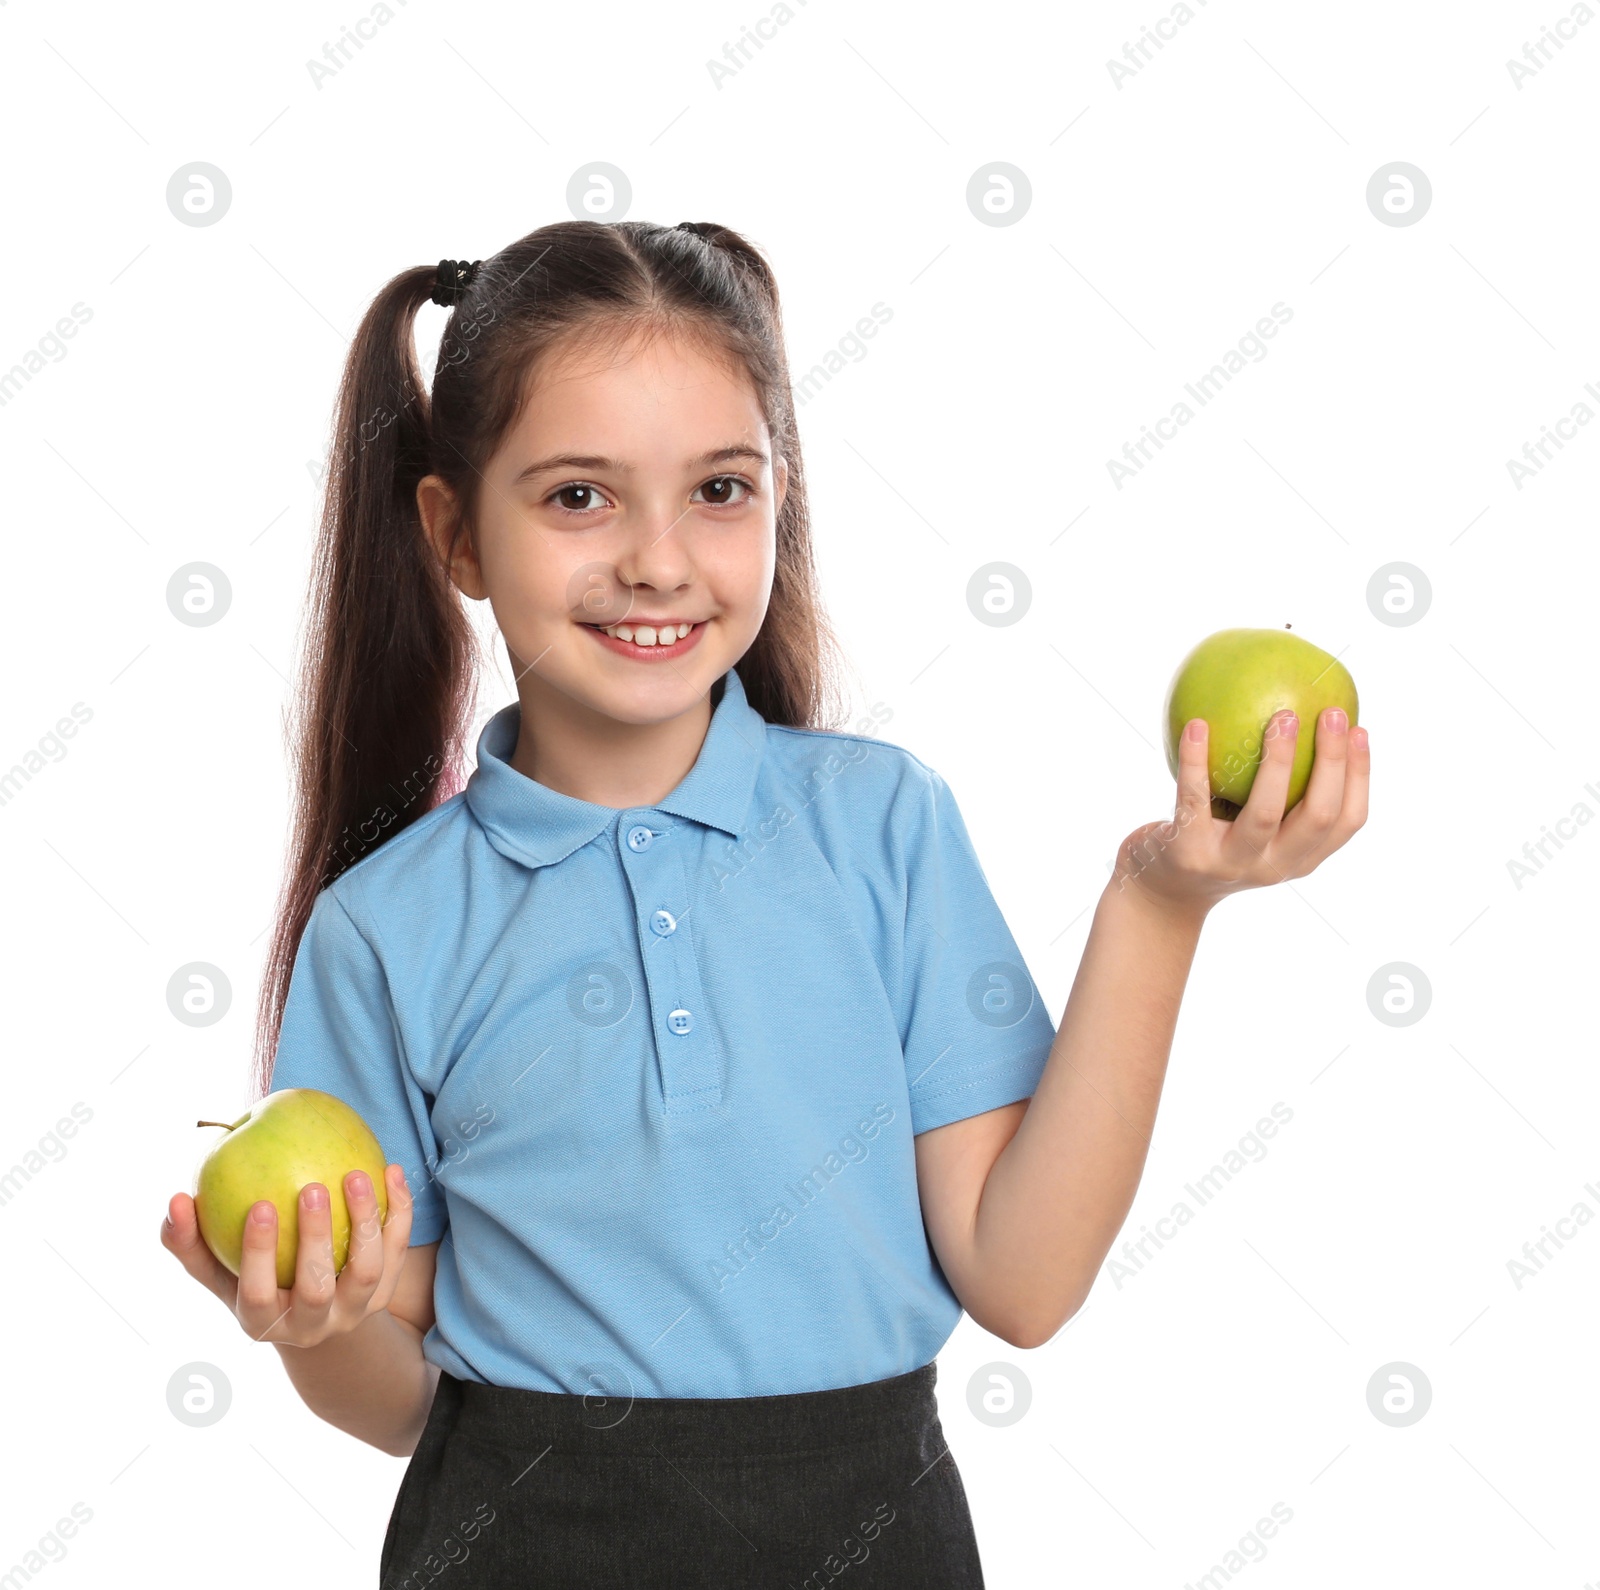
[452,279]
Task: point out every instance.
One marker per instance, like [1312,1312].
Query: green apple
[288,1138]
[1236,679]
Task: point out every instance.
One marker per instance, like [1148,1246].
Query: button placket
[686,1048]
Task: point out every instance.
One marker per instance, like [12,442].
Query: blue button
[680,1021]
[639,837]
[663,922]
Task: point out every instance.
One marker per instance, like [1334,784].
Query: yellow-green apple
[288,1138]
[1236,679]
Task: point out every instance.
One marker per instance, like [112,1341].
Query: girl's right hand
[320,1305]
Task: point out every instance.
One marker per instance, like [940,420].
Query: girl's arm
[350,1341]
[373,1382]
[1027,1199]
[1023,1203]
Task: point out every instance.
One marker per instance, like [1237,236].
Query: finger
[363,1267]
[396,1229]
[180,1236]
[261,1302]
[1194,772]
[314,1277]
[1262,811]
[1357,780]
[1308,826]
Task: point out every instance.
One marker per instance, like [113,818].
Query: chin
[655,693]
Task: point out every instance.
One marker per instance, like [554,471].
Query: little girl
[714,1084]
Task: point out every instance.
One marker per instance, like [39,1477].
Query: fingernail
[360,1183]
[261,1213]
[1196,729]
[1336,720]
[315,1197]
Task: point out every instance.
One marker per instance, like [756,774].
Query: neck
[573,750]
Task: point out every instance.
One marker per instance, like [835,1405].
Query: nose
[654,553]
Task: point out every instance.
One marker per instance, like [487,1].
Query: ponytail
[386,679]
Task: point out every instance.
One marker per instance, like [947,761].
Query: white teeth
[646,635]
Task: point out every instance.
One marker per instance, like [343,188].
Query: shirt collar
[540,826]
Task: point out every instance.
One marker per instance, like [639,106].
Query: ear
[441,515]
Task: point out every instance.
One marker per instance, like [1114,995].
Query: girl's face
[637,488]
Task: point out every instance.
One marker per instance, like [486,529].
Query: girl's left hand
[1194,859]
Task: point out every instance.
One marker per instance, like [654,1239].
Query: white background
[1168,214]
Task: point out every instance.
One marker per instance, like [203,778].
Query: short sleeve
[339,1034]
[975,1031]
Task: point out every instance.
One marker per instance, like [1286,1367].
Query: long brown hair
[388,674]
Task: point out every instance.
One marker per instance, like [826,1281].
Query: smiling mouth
[650,637]
[640,634]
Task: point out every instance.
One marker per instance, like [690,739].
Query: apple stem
[226,1126]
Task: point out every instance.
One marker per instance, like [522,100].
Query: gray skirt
[512,1488]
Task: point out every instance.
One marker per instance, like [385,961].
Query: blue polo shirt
[654,1072]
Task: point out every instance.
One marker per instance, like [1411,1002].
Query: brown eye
[722,485]
[566,492]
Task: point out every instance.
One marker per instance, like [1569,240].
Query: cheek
[589,590]
[768,565]
[525,589]
[528,572]
[741,565]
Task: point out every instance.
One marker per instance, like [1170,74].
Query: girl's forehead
[610,354]
[665,384]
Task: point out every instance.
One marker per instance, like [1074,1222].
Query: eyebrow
[720,455]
